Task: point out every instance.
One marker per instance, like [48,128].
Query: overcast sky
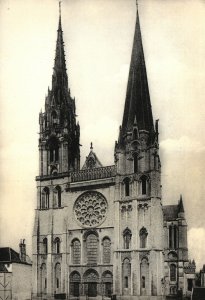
[98,37]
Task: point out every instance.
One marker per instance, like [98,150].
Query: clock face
[90,209]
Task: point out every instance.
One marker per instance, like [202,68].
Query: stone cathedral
[102,232]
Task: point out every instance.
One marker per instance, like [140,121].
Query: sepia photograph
[102,149]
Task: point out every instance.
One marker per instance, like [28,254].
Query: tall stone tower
[102,230]
[59,154]
[138,194]
[59,133]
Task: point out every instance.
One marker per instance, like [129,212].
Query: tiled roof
[198,293]
[170,212]
[8,255]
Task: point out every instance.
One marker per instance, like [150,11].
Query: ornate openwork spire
[137,103]
[60,78]
[58,126]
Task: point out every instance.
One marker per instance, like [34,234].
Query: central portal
[92,289]
[91,281]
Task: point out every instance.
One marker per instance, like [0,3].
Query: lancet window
[135,162]
[45,198]
[45,246]
[143,237]
[92,245]
[127,235]
[126,186]
[172,272]
[57,245]
[53,150]
[173,236]
[106,250]
[57,196]
[76,251]
[144,184]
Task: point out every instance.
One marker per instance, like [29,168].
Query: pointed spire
[181,205]
[137,103]
[60,77]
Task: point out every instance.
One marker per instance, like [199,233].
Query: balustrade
[92,174]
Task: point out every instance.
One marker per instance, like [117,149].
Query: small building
[15,273]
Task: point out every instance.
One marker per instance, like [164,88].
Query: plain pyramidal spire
[137,103]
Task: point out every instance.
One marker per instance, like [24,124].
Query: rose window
[90,209]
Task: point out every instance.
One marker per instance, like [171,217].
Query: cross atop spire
[59,8]
[137,4]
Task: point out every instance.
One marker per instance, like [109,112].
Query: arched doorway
[75,284]
[107,280]
[91,280]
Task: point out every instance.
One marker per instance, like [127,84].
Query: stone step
[141,298]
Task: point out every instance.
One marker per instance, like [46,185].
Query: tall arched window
[106,250]
[143,180]
[173,272]
[43,274]
[54,117]
[45,198]
[135,161]
[45,246]
[92,248]
[76,251]
[57,196]
[143,237]
[135,134]
[173,237]
[127,235]
[127,186]
[57,245]
[53,149]
[57,277]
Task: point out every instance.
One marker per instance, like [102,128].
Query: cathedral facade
[102,231]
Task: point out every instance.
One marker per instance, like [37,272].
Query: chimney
[22,252]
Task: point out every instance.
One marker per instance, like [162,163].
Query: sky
[98,36]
